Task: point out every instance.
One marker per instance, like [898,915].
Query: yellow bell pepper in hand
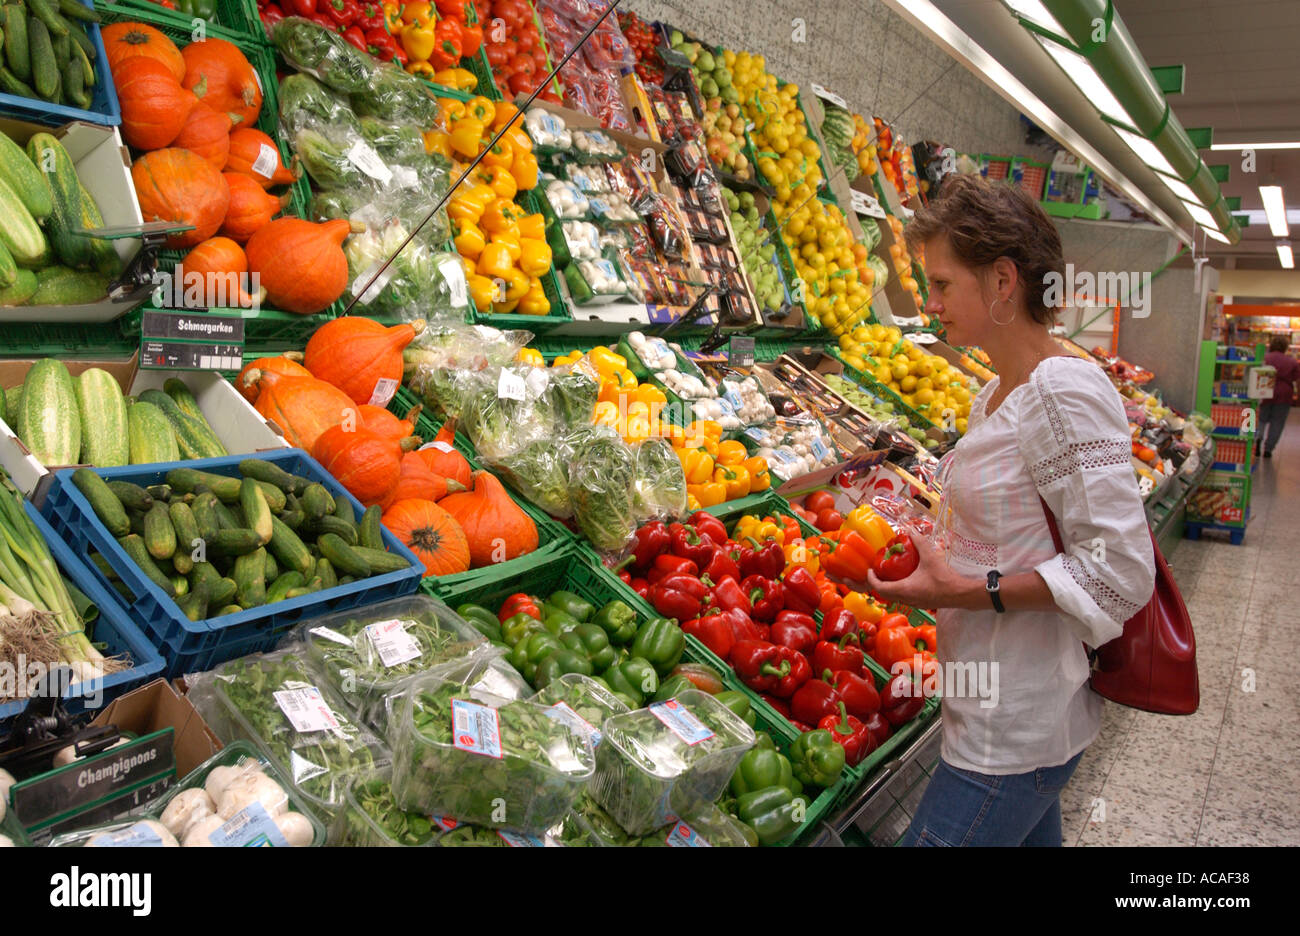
[466,135]
[535,256]
[735,478]
[759,478]
[868,524]
[697,465]
[731,453]
[495,261]
[535,301]
[709,494]
[469,239]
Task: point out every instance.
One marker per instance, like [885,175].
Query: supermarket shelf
[1231,399]
[1232,434]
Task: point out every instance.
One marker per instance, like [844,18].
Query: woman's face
[956,297]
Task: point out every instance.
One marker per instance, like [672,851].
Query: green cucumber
[45,69]
[292,517]
[250,578]
[20,292]
[103,419]
[49,420]
[47,12]
[341,528]
[187,480]
[8,269]
[82,38]
[381,561]
[289,549]
[236,543]
[279,589]
[79,11]
[131,495]
[102,252]
[180,583]
[204,508]
[19,231]
[317,502]
[59,285]
[11,84]
[16,168]
[342,556]
[325,572]
[273,474]
[62,50]
[370,532]
[159,534]
[149,435]
[134,547]
[228,609]
[74,81]
[55,165]
[343,509]
[187,535]
[108,508]
[272,567]
[180,392]
[301,592]
[223,591]
[256,510]
[227,518]
[193,437]
[195,605]
[16,50]
[275,497]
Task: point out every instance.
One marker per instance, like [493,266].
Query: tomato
[522,84]
[514,12]
[539,59]
[511,47]
[526,40]
[818,501]
[828,520]
[549,95]
[523,65]
[497,55]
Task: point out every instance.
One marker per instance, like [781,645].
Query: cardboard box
[104,167]
[157,705]
[241,429]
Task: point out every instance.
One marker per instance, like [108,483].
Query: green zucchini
[16,168]
[250,578]
[342,556]
[16,52]
[108,508]
[134,547]
[149,435]
[49,421]
[381,561]
[289,549]
[370,533]
[272,473]
[159,534]
[19,293]
[131,495]
[187,480]
[102,408]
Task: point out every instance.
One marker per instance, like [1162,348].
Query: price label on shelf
[740,351]
[922,338]
[179,341]
[829,96]
[865,204]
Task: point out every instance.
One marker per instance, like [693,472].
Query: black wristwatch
[992,587]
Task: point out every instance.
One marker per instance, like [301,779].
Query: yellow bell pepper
[533,225]
[482,290]
[709,427]
[564,359]
[650,395]
[758,530]
[606,414]
[500,215]
[692,502]
[636,408]
[418,11]
[863,607]
[868,524]
[531,357]
[606,361]
[638,429]
[418,40]
[452,110]
[524,169]
[469,239]
[535,301]
[697,465]
[393,17]
[735,478]
[462,79]
[499,180]
[436,141]
[501,114]
[420,69]
[535,256]
[480,108]
[467,136]
[675,435]
[501,153]
[731,453]
[470,268]
[517,283]
[709,494]
[609,392]
[626,379]
[504,308]
[799,554]
[465,208]
[495,261]
[519,138]
[508,240]
[759,478]
[485,195]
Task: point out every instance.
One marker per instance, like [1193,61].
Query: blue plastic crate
[193,646]
[113,627]
[104,109]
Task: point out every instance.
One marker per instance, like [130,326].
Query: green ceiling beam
[1169,78]
[1201,137]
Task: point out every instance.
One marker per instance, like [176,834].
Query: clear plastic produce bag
[660,488]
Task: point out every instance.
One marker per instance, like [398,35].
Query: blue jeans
[962,807]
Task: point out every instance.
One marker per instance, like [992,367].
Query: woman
[1273,412]
[1049,425]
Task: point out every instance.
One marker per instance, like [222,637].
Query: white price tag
[453,271]
[922,338]
[393,644]
[829,96]
[510,386]
[369,162]
[333,635]
[376,287]
[485,332]
[385,390]
[865,204]
[440,446]
[267,159]
[305,708]
[251,827]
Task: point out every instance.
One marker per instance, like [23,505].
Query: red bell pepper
[795,630]
[381,45]
[640,586]
[851,734]
[801,591]
[765,559]
[667,564]
[927,637]
[519,603]
[728,594]
[858,692]
[713,629]
[879,727]
[897,560]
[651,540]
[800,673]
[343,12]
[678,596]
[271,14]
[321,20]
[848,557]
[446,45]
[814,700]
[745,627]
[841,655]
[305,8]
[709,526]
[625,576]
[838,624]
[722,566]
[898,643]
[782,706]
[471,40]
[766,595]
[690,543]
[451,9]
[901,700]
[761,666]
[370,15]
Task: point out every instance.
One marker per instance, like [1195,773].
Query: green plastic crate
[235,19]
[66,339]
[879,390]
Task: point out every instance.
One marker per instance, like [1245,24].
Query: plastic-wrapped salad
[373,818]
[590,824]
[582,701]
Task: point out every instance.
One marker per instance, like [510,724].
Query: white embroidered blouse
[1061,434]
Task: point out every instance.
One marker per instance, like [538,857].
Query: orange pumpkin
[206,133]
[355,353]
[303,407]
[286,364]
[441,457]
[416,480]
[155,108]
[366,463]
[430,532]
[385,422]
[251,208]
[222,257]
[495,526]
[123,41]
[221,77]
[301,264]
[255,154]
[176,185]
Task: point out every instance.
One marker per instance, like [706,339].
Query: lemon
[924,383]
[925,397]
[855,362]
[924,368]
[879,333]
[898,371]
[864,335]
[961,425]
[962,396]
[893,334]
[908,383]
[914,353]
[941,380]
[846,342]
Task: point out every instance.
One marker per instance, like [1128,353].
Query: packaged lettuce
[582,701]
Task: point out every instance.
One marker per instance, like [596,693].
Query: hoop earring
[1008,321]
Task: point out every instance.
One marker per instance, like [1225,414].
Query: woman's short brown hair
[1279,343]
[986,220]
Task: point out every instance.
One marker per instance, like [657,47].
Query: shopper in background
[1273,413]
[1050,425]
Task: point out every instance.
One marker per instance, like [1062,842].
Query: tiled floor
[1230,774]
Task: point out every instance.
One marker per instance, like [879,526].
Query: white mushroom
[296,829]
[197,836]
[255,788]
[187,807]
[220,777]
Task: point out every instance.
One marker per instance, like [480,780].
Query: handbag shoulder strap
[1051,525]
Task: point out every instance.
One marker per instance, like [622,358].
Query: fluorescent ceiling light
[1294,144]
[1285,256]
[1201,216]
[1256,216]
[1039,15]
[1181,189]
[1080,71]
[1216,236]
[1146,151]
[1275,210]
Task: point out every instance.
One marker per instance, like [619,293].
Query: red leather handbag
[1152,665]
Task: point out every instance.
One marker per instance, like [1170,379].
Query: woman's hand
[932,585]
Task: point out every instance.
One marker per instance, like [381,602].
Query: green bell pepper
[660,641]
[571,604]
[559,622]
[816,758]
[635,678]
[672,686]
[738,702]
[531,651]
[774,813]
[592,643]
[483,620]
[516,628]
[621,696]
[618,620]
[763,767]
[557,663]
[196,9]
